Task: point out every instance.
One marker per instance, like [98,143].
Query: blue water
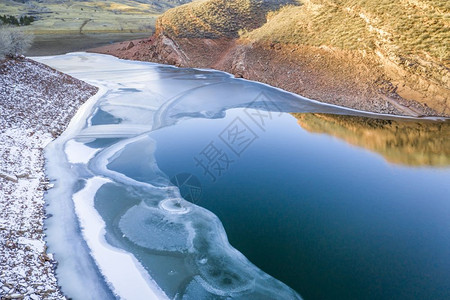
[190,184]
[331,220]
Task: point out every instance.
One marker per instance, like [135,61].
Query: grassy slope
[408,40]
[411,26]
[217,18]
[414,34]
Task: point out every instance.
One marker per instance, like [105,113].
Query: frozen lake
[191,184]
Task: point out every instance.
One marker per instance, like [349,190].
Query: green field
[110,16]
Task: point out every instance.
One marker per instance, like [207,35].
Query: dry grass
[409,27]
[217,18]
[100,16]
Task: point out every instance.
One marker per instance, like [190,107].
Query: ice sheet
[157,245]
[125,275]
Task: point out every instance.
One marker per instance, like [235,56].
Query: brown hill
[217,18]
[380,56]
[408,39]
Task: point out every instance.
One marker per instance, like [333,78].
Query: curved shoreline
[61,199]
[60,166]
[36,138]
[326,75]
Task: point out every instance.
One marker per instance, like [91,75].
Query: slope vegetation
[408,38]
[216,18]
[377,55]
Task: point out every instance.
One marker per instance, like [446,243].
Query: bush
[12,20]
[9,20]
[14,42]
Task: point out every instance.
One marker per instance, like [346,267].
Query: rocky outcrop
[419,80]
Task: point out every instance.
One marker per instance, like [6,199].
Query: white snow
[36,245]
[79,152]
[130,279]
[24,262]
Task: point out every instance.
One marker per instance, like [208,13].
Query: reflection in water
[405,142]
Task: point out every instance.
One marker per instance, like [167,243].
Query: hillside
[381,56]
[409,39]
[216,19]
[36,104]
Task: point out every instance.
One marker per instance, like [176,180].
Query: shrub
[12,20]
[13,42]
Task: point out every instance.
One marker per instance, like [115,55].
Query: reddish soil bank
[350,79]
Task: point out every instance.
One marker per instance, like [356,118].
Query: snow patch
[130,279]
[78,152]
[36,245]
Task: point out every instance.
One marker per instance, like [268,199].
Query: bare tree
[14,41]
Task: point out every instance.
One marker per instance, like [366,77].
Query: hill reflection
[404,142]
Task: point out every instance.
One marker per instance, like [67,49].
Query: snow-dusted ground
[36,104]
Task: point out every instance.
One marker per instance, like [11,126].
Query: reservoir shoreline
[36,104]
[11,178]
[152,93]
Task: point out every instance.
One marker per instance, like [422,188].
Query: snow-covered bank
[36,103]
